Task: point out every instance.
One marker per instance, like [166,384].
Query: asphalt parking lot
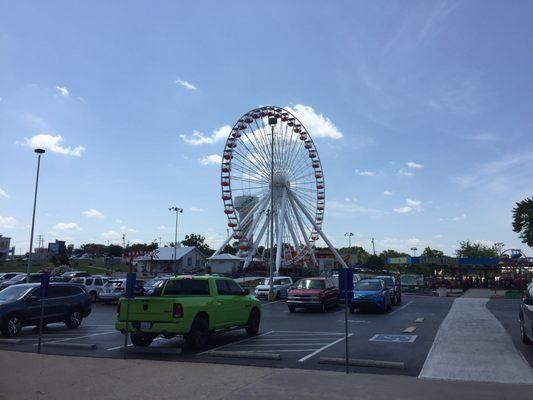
[300,339]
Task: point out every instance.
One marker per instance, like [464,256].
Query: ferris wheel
[273,188]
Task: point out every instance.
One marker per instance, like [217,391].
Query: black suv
[20,305]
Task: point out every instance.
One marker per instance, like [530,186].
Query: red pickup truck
[318,293]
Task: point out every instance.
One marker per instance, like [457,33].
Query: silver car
[526,316]
[281,286]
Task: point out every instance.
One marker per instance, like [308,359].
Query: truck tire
[198,336]
[252,327]
[523,334]
[142,339]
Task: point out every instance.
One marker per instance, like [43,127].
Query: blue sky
[421,112]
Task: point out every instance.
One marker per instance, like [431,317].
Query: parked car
[249,283]
[20,305]
[67,276]
[313,293]
[370,293]
[20,279]
[7,276]
[114,289]
[192,306]
[93,284]
[526,316]
[281,286]
[394,286]
[153,286]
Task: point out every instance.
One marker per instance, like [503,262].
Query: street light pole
[414,249]
[39,153]
[346,270]
[178,211]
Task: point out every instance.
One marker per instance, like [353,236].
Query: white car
[281,286]
[93,284]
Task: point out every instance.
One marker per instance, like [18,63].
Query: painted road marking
[393,338]
[409,329]
[82,337]
[322,349]
[419,320]
[401,308]
[239,341]
[357,321]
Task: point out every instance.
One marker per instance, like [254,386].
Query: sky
[420,110]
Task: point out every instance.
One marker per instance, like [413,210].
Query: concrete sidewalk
[33,376]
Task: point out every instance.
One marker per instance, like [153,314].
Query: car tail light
[118,308]
[119,289]
[177,310]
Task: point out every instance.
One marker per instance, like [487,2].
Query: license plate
[146,325]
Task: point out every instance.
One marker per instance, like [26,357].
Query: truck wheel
[74,319]
[252,327]
[292,309]
[142,339]
[12,326]
[198,336]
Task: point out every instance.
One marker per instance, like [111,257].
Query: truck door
[225,303]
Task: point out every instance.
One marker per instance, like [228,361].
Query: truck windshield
[187,287]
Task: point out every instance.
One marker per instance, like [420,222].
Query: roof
[166,253]
[226,257]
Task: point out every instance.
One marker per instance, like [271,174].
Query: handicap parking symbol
[393,338]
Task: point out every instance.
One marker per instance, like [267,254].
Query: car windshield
[14,292]
[69,274]
[367,285]
[311,284]
[154,282]
[277,281]
[388,281]
[19,278]
[114,283]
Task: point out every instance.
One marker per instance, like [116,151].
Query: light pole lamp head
[39,151]
[272,120]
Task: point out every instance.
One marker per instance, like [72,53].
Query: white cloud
[53,143]
[403,210]
[212,159]
[454,219]
[118,221]
[195,209]
[3,194]
[388,193]
[198,138]
[402,172]
[438,236]
[412,164]
[185,84]
[364,173]
[410,205]
[129,230]
[63,91]
[66,226]
[164,228]
[8,222]
[350,206]
[111,235]
[92,213]
[318,125]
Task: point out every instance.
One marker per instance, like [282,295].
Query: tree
[469,249]
[141,247]
[523,220]
[375,262]
[362,254]
[389,253]
[197,241]
[429,252]
[114,251]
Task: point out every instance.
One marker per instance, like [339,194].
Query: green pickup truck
[192,306]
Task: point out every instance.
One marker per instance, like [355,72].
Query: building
[225,263]
[5,243]
[189,260]
[56,248]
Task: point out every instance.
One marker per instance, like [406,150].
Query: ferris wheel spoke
[247,172]
[257,242]
[281,222]
[246,166]
[253,160]
[303,230]
[257,151]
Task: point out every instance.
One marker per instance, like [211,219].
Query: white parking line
[280,344]
[401,308]
[311,333]
[322,349]
[83,337]
[270,302]
[129,345]
[239,341]
[321,337]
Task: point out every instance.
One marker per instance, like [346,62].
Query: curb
[244,354]
[355,362]
[80,346]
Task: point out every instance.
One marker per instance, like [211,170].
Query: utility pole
[272,121]
[178,211]
[373,247]
[28,269]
